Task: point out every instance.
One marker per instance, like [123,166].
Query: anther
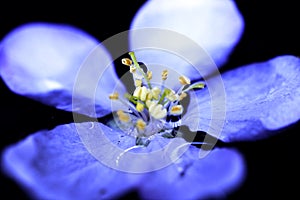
[126,61]
[138,83]
[137,92]
[164,75]
[172,96]
[149,75]
[114,96]
[155,92]
[132,69]
[182,96]
[157,111]
[176,110]
[184,80]
[139,106]
[140,125]
[123,117]
[143,93]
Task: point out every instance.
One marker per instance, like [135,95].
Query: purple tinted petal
[41,61]
[118,150]
[215,25]
[215,175]
[261,98]
[199,112]
[56,165]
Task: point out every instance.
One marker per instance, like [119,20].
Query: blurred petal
[215,175]
[214,25]
[56,165]
[41,61]
[261,98]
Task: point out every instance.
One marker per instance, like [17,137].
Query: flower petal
[221,171]
[215,25]
[56,165]
[41,61]
[261,98]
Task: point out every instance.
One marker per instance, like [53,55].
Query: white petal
[216,26]
[42,61]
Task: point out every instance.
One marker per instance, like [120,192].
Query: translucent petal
[41,61]
[119,151]
[56,165]
[215,175]
[214,25]
[261,98]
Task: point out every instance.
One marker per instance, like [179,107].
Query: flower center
[152,109]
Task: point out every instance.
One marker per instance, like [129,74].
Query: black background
[271,30]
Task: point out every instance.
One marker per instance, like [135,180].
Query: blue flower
[42,61]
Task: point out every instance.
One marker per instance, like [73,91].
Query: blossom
[56,164]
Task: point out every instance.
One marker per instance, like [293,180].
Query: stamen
[184,80]
[143,93]
[182,96]
[149,75]
[132,69]
[149,103]
[123,117]
[140,125]
[157,111]
[139,107]
[138,83]
[126,61]
[149,95]
[176,110]
[164,75]
[198,85]
[114,96]
[155,92]
[136,64]
[172,96]
[137,92]
[165,93]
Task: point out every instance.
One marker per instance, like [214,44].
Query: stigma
[152,109]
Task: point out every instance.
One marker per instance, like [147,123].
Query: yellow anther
[149,75]
[139,106]
[176,110]
[141,93]
[144,93]
[149,103]
[184,80]
[138,83]
[172,96]
[132,69]
[164,75]
[155,92]
[126,61]
[114,96]
[149,96]
[157,111]
[123,117]
[140,125]
[137,92]
[182,96]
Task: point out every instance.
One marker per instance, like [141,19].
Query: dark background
[271,30]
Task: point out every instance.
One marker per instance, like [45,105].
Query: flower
[55,164]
